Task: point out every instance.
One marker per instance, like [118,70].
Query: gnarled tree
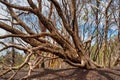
[70,48]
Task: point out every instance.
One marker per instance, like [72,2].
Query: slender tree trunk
[105,51]
[97,32]
[105,39]
[13,50]
[109,59]
[118,58]
[119,32]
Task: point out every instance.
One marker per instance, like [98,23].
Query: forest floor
[69,74]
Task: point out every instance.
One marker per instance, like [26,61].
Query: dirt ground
[68,74]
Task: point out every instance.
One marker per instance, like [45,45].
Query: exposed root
[86,63]
[75,64]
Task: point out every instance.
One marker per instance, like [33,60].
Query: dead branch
[16,6]
[13,45]
[42,34]
[19,67]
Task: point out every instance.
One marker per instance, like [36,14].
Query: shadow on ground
[69,74]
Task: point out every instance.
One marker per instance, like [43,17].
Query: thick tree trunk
[81,60]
